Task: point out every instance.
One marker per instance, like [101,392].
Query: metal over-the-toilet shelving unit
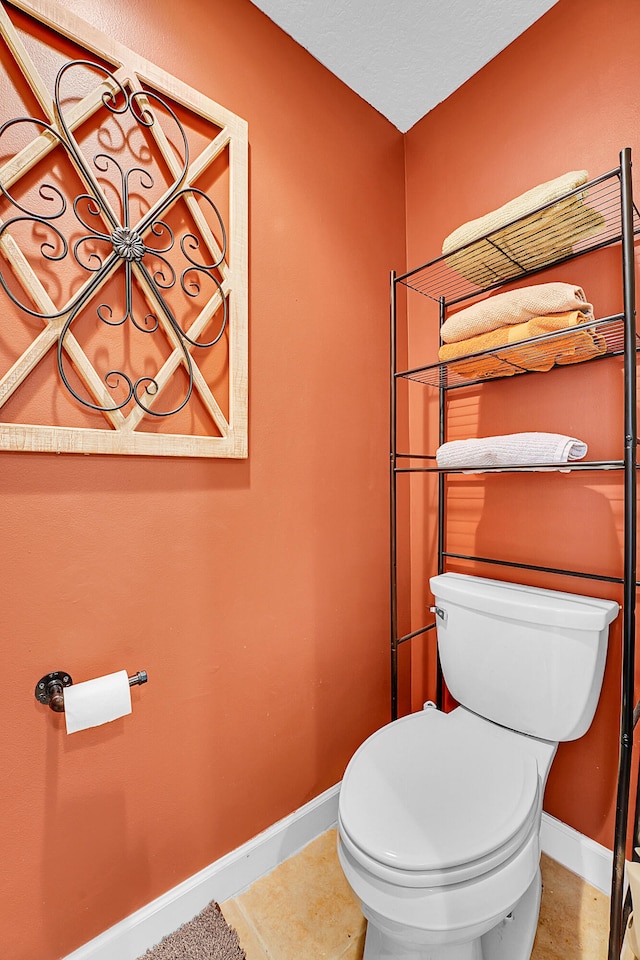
[550,235]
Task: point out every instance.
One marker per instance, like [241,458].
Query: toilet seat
[435,799]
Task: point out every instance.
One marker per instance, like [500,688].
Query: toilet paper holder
[50,688]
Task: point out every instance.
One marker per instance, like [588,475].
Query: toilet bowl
[444,888]
[439,814]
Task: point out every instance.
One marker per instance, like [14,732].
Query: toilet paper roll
[98,701]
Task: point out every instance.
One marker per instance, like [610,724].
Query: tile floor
[304,910]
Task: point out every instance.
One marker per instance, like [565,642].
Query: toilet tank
[526,658]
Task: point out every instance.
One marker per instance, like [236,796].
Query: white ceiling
[404,56]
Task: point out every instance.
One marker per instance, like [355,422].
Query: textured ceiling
[404,56]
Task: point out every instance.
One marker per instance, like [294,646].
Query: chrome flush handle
[439,612]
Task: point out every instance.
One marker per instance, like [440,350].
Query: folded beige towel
[529,243]
[515,306]
[513,209]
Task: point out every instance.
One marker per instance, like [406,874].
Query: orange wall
[254,592]
[564,96]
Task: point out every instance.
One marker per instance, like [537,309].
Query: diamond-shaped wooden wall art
[123,242]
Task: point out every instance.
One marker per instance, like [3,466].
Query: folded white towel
[512,449]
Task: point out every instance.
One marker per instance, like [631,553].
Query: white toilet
[439,814]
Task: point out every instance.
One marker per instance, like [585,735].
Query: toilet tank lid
[519,602]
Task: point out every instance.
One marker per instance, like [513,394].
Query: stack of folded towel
[508,321]
[512,449]
[497,248]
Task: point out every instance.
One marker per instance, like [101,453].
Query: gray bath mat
[206,937]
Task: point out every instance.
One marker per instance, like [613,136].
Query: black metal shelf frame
[608,199]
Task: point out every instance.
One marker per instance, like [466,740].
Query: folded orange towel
[572,347]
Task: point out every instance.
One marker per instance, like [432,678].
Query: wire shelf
[605,338]
[562,466]
[588,218]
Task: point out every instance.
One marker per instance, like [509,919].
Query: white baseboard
[236,871]
[580,854]
[223,879]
